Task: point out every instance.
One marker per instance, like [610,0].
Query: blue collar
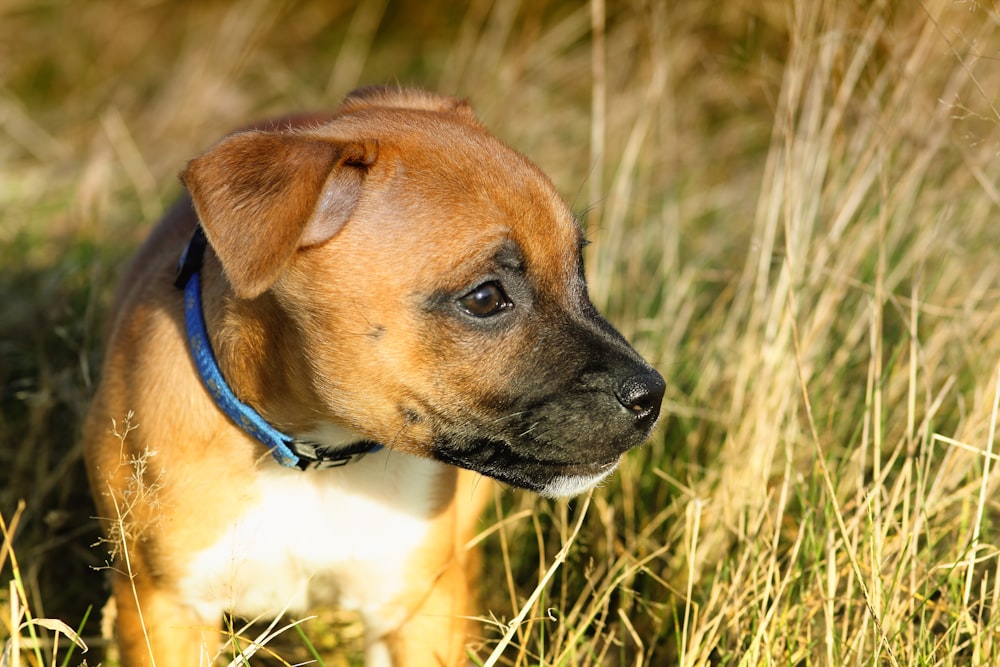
[286,450]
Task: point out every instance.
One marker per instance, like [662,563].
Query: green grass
[794,213]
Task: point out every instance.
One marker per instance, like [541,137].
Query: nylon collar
[286,450]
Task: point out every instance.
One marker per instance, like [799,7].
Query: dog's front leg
[435,632]
[160,630]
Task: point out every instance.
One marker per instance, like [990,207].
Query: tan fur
[329,238]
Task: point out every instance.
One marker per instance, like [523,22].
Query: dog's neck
[332,446]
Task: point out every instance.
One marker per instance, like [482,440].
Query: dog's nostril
[642,395]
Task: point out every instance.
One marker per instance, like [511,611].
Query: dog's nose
[641,395]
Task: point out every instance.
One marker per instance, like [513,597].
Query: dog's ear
[394,97]
[262,195]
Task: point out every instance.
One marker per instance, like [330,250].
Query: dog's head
[431,277]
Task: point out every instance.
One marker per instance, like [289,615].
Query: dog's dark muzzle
[571,417]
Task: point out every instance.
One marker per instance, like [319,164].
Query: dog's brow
[509,256]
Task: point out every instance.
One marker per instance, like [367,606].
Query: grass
[793,208]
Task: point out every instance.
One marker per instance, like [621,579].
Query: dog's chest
[340,536]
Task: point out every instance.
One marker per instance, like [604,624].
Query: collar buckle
[314,456]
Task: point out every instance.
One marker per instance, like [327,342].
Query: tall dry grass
[793,208]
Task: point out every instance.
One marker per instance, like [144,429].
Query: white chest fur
[337,536]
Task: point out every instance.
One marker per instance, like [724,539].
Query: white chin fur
[572,485]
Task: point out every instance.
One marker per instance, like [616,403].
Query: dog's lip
[525,471]
[588,468]
[582,468]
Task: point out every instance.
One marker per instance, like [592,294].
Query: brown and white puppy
[392,275]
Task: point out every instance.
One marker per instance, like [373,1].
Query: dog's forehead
[505,212]
[445,183]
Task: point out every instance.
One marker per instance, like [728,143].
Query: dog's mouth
[503,462]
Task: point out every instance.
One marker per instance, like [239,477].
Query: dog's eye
[486,300]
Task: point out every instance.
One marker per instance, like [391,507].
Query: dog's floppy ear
[393,97]
[262,195]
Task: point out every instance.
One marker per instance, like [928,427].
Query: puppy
[325,348]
